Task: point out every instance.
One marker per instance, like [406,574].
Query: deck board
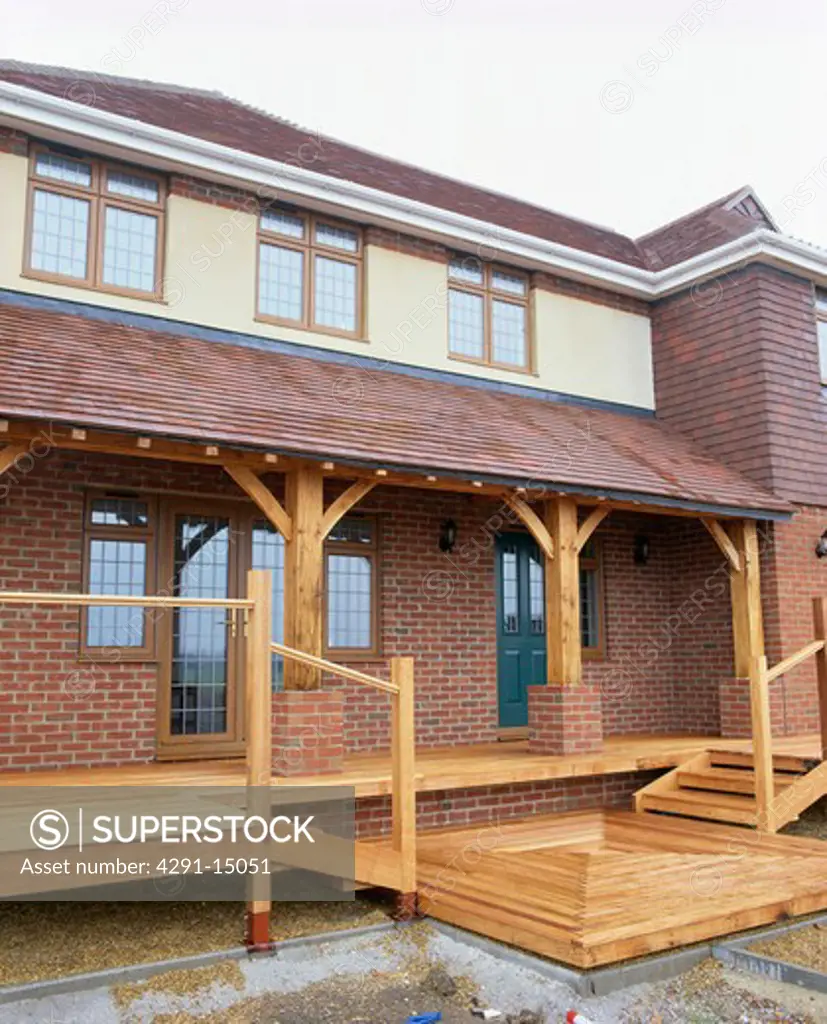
[621,885]
[438,768]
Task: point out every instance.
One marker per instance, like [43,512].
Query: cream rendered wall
[210,269]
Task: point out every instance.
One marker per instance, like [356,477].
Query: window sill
[117,656]
[73,282]
[262,318]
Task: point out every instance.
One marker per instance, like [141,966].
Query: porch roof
[99,368]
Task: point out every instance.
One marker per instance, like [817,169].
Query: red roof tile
[70,368]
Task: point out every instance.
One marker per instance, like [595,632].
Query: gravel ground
[806,947]
[384,978]
[51,940]
[812,823]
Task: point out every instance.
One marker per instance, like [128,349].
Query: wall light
[447,536]
[641,549]
[821,547]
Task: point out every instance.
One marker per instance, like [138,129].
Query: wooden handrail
[334,669]
[96,600]
[793,660]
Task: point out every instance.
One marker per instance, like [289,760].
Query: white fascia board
[54,116]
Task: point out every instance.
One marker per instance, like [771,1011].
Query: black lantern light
[821,546]
[447,536]
[641,549]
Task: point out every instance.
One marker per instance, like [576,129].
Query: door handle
[232,623]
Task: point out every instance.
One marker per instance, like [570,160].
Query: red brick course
[13,141]
[308,732]
[565,719]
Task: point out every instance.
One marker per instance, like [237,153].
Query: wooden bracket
[533,523]
[589,525]
[344,503]
[263,497]
[8,456]
[724,542]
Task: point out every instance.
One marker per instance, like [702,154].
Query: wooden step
[729,780]
[736,809]
[744,759]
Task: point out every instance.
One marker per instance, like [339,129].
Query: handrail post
[762,744]
[259,718]
[820,623]
[403,781]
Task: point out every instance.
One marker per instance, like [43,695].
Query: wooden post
[404,781]
[820,623]
[563,653]
[258,694]
[745,590]
[304,574]
[762,745]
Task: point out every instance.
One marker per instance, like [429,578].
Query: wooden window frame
[594,563]
[489,294]
[821,318]
[99,200]
[372,551]
[148,534]
[310,249]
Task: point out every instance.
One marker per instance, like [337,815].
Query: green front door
[521,626]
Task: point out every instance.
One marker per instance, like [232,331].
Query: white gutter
[38,112]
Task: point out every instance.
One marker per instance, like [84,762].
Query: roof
[216,118]
[121,372]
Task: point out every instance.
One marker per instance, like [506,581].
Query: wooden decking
[594,887]
[439,768]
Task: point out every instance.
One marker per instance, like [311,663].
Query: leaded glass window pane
[589,608]
[268,553]
[282,223]
[511,590]
[337,238]
[133,186]
[466,269]
[537,594]
[281,282]
[504,282]
[349,601]
[119,512]
[129,249]
[508,333]
[335,294]
[63,168]
[60,234]
[466,334]
[116,567]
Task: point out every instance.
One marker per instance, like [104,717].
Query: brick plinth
[736,720]
[308,732]
[564,719]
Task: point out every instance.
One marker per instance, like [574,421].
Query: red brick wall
[12,141]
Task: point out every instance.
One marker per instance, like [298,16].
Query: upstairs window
[95,224]
[310,273]
[821,313]
[488,314]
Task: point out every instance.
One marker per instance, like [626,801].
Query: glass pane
[334,291]
[466,268]
[60,234]
[352,530]
[132,185]
[282,223]
[512,283]
[349,601]
[511,600]
[62,168]
[119,512]
[199,635]
[465,324]
[129,244]
[337,238]
[589,625]
[116,567]
[508,333]
[268,553]
[537,594]
[822,348]
[281,282]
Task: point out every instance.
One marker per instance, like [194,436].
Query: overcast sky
[625,114]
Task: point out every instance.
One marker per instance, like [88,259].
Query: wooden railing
[768,817]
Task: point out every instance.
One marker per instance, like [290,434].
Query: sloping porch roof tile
[66,367]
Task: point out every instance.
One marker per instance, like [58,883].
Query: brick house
[540,457]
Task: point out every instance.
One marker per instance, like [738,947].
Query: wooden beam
[403,773]
[9,455]
[304,575]
[344,503]
[724,542]
[820,624]
[759,698]
[564,656]
[533,523]
[263,497]
[589,525]
[745,590]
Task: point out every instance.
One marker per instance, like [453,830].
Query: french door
[206,551]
